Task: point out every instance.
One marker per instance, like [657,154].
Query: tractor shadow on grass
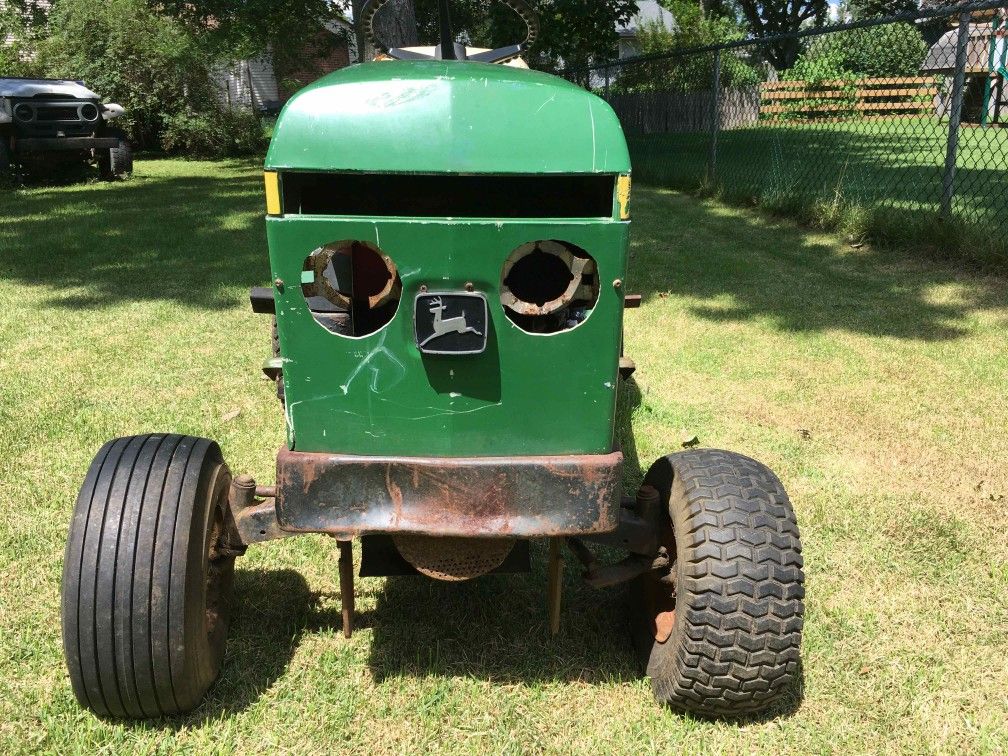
[496,628]
[271,611]
[493,628]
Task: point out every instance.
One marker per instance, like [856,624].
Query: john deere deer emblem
[461,333]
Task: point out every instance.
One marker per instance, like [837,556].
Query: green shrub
[890,50]
[691,72]
[145,61]
[16,42]
[878,51]
[225,132]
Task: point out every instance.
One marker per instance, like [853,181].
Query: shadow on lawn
[799,281]
[495,628]
[492,628]
[191,239]
[195,239]
[271,611]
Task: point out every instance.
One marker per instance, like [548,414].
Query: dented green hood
[461,117]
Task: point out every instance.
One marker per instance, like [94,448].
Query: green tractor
[448,238]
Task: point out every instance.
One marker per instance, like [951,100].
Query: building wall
[248,84]
[322,55]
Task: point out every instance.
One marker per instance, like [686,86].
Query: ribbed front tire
[145,591]
[720,634]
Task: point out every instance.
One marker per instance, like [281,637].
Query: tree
[235,29]
[395,25]
[687,73]
[143,60]
[22,26]
[862,9]
[572,33]
[769,18]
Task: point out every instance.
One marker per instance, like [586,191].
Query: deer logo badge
[443,326]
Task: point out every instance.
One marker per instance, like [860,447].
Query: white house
[648,11]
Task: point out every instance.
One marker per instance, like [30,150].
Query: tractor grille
[448,196]
[57,113]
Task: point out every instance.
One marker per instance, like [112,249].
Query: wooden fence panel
[677,112]
[800,100]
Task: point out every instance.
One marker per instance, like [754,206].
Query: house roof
[941,57]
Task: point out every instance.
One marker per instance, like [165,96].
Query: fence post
[715,117]
[955,114]
[607,82]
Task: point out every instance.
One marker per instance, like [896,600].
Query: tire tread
[739,608]
[131,538]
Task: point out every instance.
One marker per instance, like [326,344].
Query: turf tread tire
[136,632]
[734,647]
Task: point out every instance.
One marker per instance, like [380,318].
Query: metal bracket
[554,589]
[252,519]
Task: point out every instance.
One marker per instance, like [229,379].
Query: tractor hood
[32,87]
[447,117]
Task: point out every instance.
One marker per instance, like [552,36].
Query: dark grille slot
[448,196]
[53,113]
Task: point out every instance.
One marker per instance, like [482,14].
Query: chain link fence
[904,119]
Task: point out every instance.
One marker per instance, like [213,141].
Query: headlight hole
[351,286]
[548,286]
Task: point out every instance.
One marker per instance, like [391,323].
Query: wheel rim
[663,590]
[659,593]
[217,566]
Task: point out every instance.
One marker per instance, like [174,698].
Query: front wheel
[720,633]
[145,581]
[116,162]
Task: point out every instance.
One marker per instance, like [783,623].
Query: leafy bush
[823,66]
[838,61]
[131,55]
[688,73]
[154,67]
[888,50]
[15,42]
[226,132]
[891,50]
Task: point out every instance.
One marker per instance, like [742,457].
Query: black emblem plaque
[450,322]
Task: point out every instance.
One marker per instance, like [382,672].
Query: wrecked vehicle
[448,243]
[45,119]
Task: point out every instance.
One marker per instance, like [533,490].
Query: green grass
[880,177]
[875,384]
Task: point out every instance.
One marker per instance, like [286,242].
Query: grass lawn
[876,385]
[895,162]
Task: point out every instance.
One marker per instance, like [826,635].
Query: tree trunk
[395,24]
[361,40]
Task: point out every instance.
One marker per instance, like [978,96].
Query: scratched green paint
[447,117]
[377,395]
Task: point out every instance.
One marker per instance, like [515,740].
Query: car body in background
[45,119]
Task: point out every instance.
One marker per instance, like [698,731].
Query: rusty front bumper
[469,496]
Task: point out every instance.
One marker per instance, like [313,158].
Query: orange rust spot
[663,624]
[394,492]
